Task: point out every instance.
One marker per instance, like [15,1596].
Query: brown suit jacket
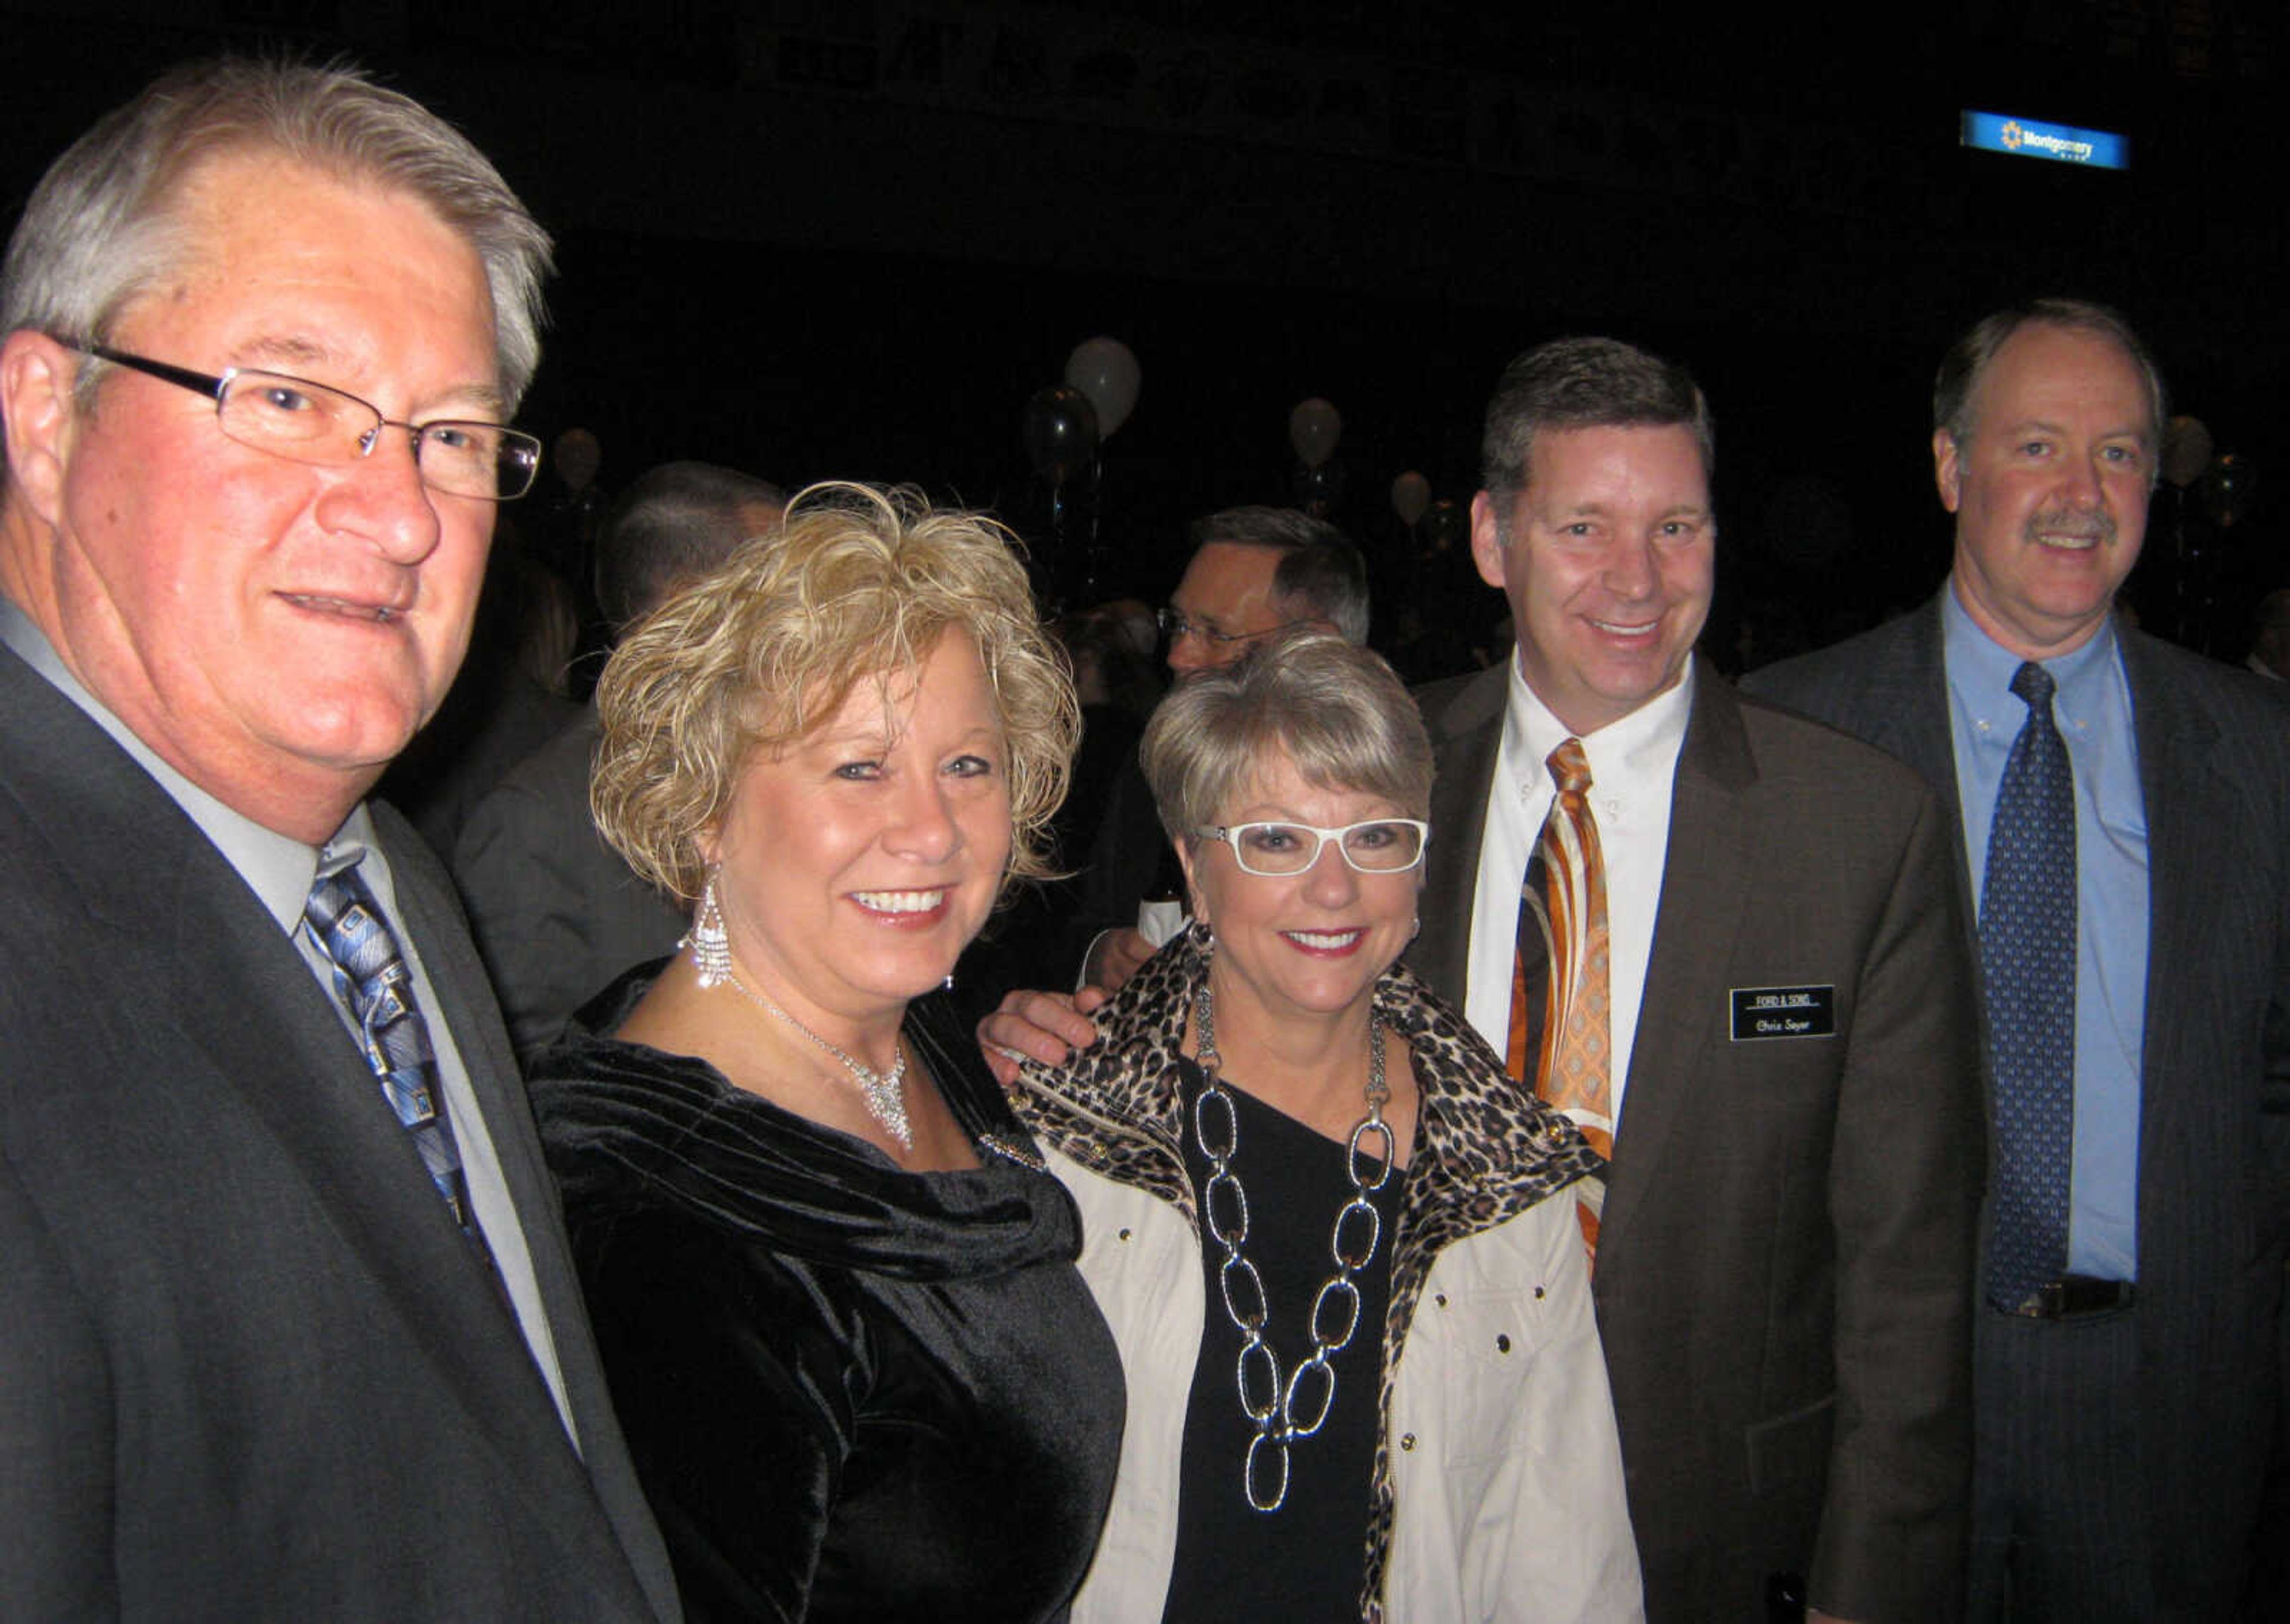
[1785,1274]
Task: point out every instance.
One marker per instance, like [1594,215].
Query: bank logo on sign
[2029,138]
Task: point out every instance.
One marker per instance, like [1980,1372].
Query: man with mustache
[2128,1367]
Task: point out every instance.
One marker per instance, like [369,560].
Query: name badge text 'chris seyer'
[1782,1012]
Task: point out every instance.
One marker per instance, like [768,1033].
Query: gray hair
[1321,575]
[100,230]
[1587,383]
[1967,360]
[1336,709]
[676,522]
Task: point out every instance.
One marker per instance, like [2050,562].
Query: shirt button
[1503,1342]
[1408,1440]
[1440,1298]
[1125,1232]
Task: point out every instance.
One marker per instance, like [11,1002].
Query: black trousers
[2060,1530]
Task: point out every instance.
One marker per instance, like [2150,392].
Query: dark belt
[2073,1296]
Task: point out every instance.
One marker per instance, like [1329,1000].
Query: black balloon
[1319,490]
[1060,428]
[2226,488]
[1446,526]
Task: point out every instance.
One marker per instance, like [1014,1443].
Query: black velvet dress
[852,1392]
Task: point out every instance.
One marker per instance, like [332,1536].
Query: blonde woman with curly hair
[831,1279]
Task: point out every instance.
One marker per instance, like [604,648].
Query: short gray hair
[1968,359]
[1587,383]
[674,525]
[1336,709]
[1321,575]
[99,229]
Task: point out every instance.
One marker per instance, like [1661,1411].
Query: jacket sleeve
[1906,1174]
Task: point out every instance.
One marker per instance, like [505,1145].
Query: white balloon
[1314,428]
[1411,494]
[1104,369]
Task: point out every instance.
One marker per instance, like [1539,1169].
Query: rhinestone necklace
[1267,1401]
[882,1093]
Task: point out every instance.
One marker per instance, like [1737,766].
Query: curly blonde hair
[859,582]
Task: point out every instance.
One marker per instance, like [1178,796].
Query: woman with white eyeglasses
[1364,1381]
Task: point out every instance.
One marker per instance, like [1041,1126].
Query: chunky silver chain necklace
[884,1093]
[1285,1411]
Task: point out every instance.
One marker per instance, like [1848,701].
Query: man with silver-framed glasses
[290,1326]
[1255,573]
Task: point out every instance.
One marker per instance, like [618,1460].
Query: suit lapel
[1704,897]
[1903,707]
[2178,779]
[435,921]
[1465,735]
[1911,719]
[296,1072]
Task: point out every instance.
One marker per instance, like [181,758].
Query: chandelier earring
[708,941]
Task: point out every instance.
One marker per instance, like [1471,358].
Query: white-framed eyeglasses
[1379,845]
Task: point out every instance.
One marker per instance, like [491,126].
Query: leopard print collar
[1485,1151]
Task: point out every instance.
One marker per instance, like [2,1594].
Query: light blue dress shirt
[2093,709]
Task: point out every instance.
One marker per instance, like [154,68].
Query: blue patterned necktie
[371,980]
[2027,966]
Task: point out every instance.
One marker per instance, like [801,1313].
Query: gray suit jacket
[1785,1269]
[252,1370]
[558,914]
[2214,1080]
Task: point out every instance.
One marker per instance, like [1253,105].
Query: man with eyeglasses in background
[1255,573]
[289,1326]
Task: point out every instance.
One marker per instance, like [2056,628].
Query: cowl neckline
[630,1130]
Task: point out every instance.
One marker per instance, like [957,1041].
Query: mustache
[2091,524]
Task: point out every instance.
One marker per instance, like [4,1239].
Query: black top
[1304,1561]
[852,1392]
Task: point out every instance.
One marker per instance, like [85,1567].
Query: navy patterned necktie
[371,980]
[2028,967]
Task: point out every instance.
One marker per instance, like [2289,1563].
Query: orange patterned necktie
[1562,953]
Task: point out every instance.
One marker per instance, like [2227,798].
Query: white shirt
[1633,770]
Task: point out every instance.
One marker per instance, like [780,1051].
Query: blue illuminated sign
[2032,137]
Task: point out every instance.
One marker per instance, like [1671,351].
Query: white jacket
[1504,1471]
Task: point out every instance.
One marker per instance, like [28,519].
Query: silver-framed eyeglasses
[1381,845]
[313,422]
[1175,627]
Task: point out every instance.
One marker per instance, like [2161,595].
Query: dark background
[849,240]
